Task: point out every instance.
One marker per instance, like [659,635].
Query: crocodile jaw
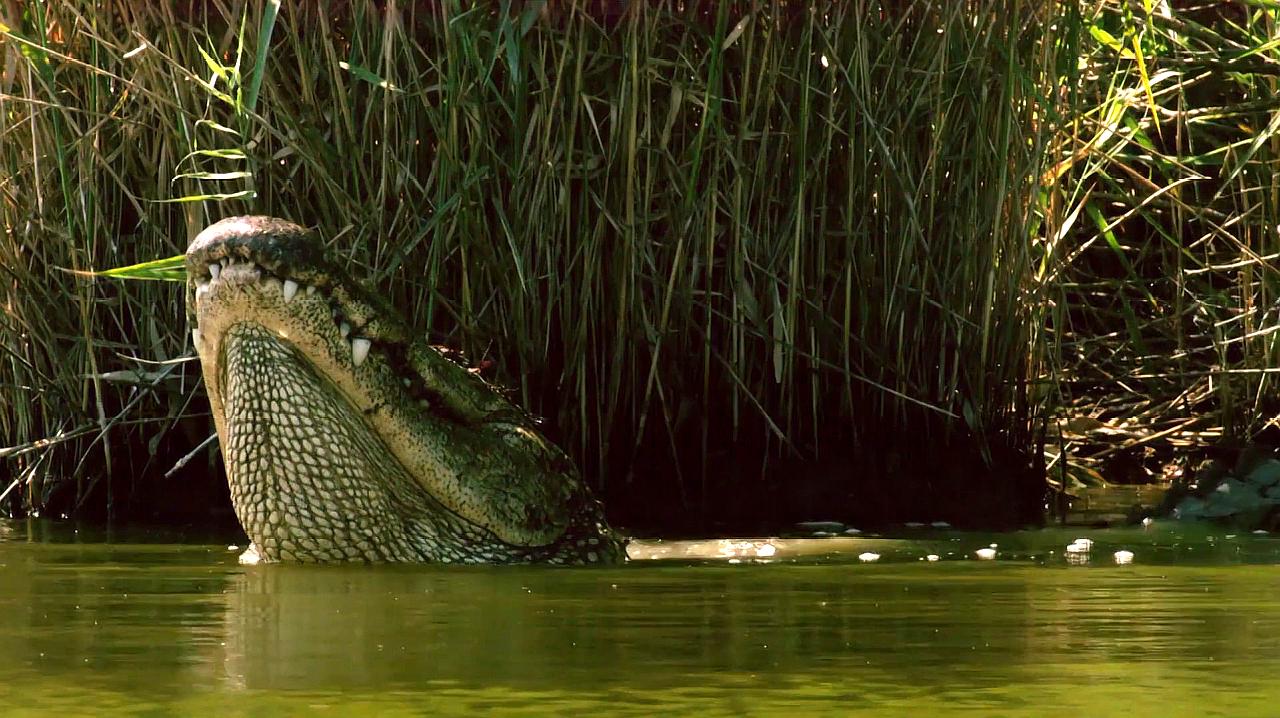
[396,436]
[309,476]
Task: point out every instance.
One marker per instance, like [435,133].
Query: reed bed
[752,260]
[1163,335]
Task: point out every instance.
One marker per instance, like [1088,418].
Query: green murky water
[133,626]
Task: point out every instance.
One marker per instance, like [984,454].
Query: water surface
[129,624]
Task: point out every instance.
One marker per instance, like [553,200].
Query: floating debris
[1080,545]
[730,548]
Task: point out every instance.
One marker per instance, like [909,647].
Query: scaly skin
[345,439]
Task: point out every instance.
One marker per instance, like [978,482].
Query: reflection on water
[1192,628]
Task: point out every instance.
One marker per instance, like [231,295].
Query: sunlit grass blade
[265,29]
[170,269]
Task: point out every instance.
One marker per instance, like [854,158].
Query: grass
[752,260]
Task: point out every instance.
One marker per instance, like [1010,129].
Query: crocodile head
[345,438]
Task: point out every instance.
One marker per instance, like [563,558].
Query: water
[137,626]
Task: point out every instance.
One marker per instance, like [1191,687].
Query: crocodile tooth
[290,289]
[311,289]
[344,329]
[359,350]
[214,270]
[195,336]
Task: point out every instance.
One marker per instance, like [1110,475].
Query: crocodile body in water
[346,439]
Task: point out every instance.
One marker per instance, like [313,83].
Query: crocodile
[347,438]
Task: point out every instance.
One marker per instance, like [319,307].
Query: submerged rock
[1245,496]
[1266,474]
[826,528]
